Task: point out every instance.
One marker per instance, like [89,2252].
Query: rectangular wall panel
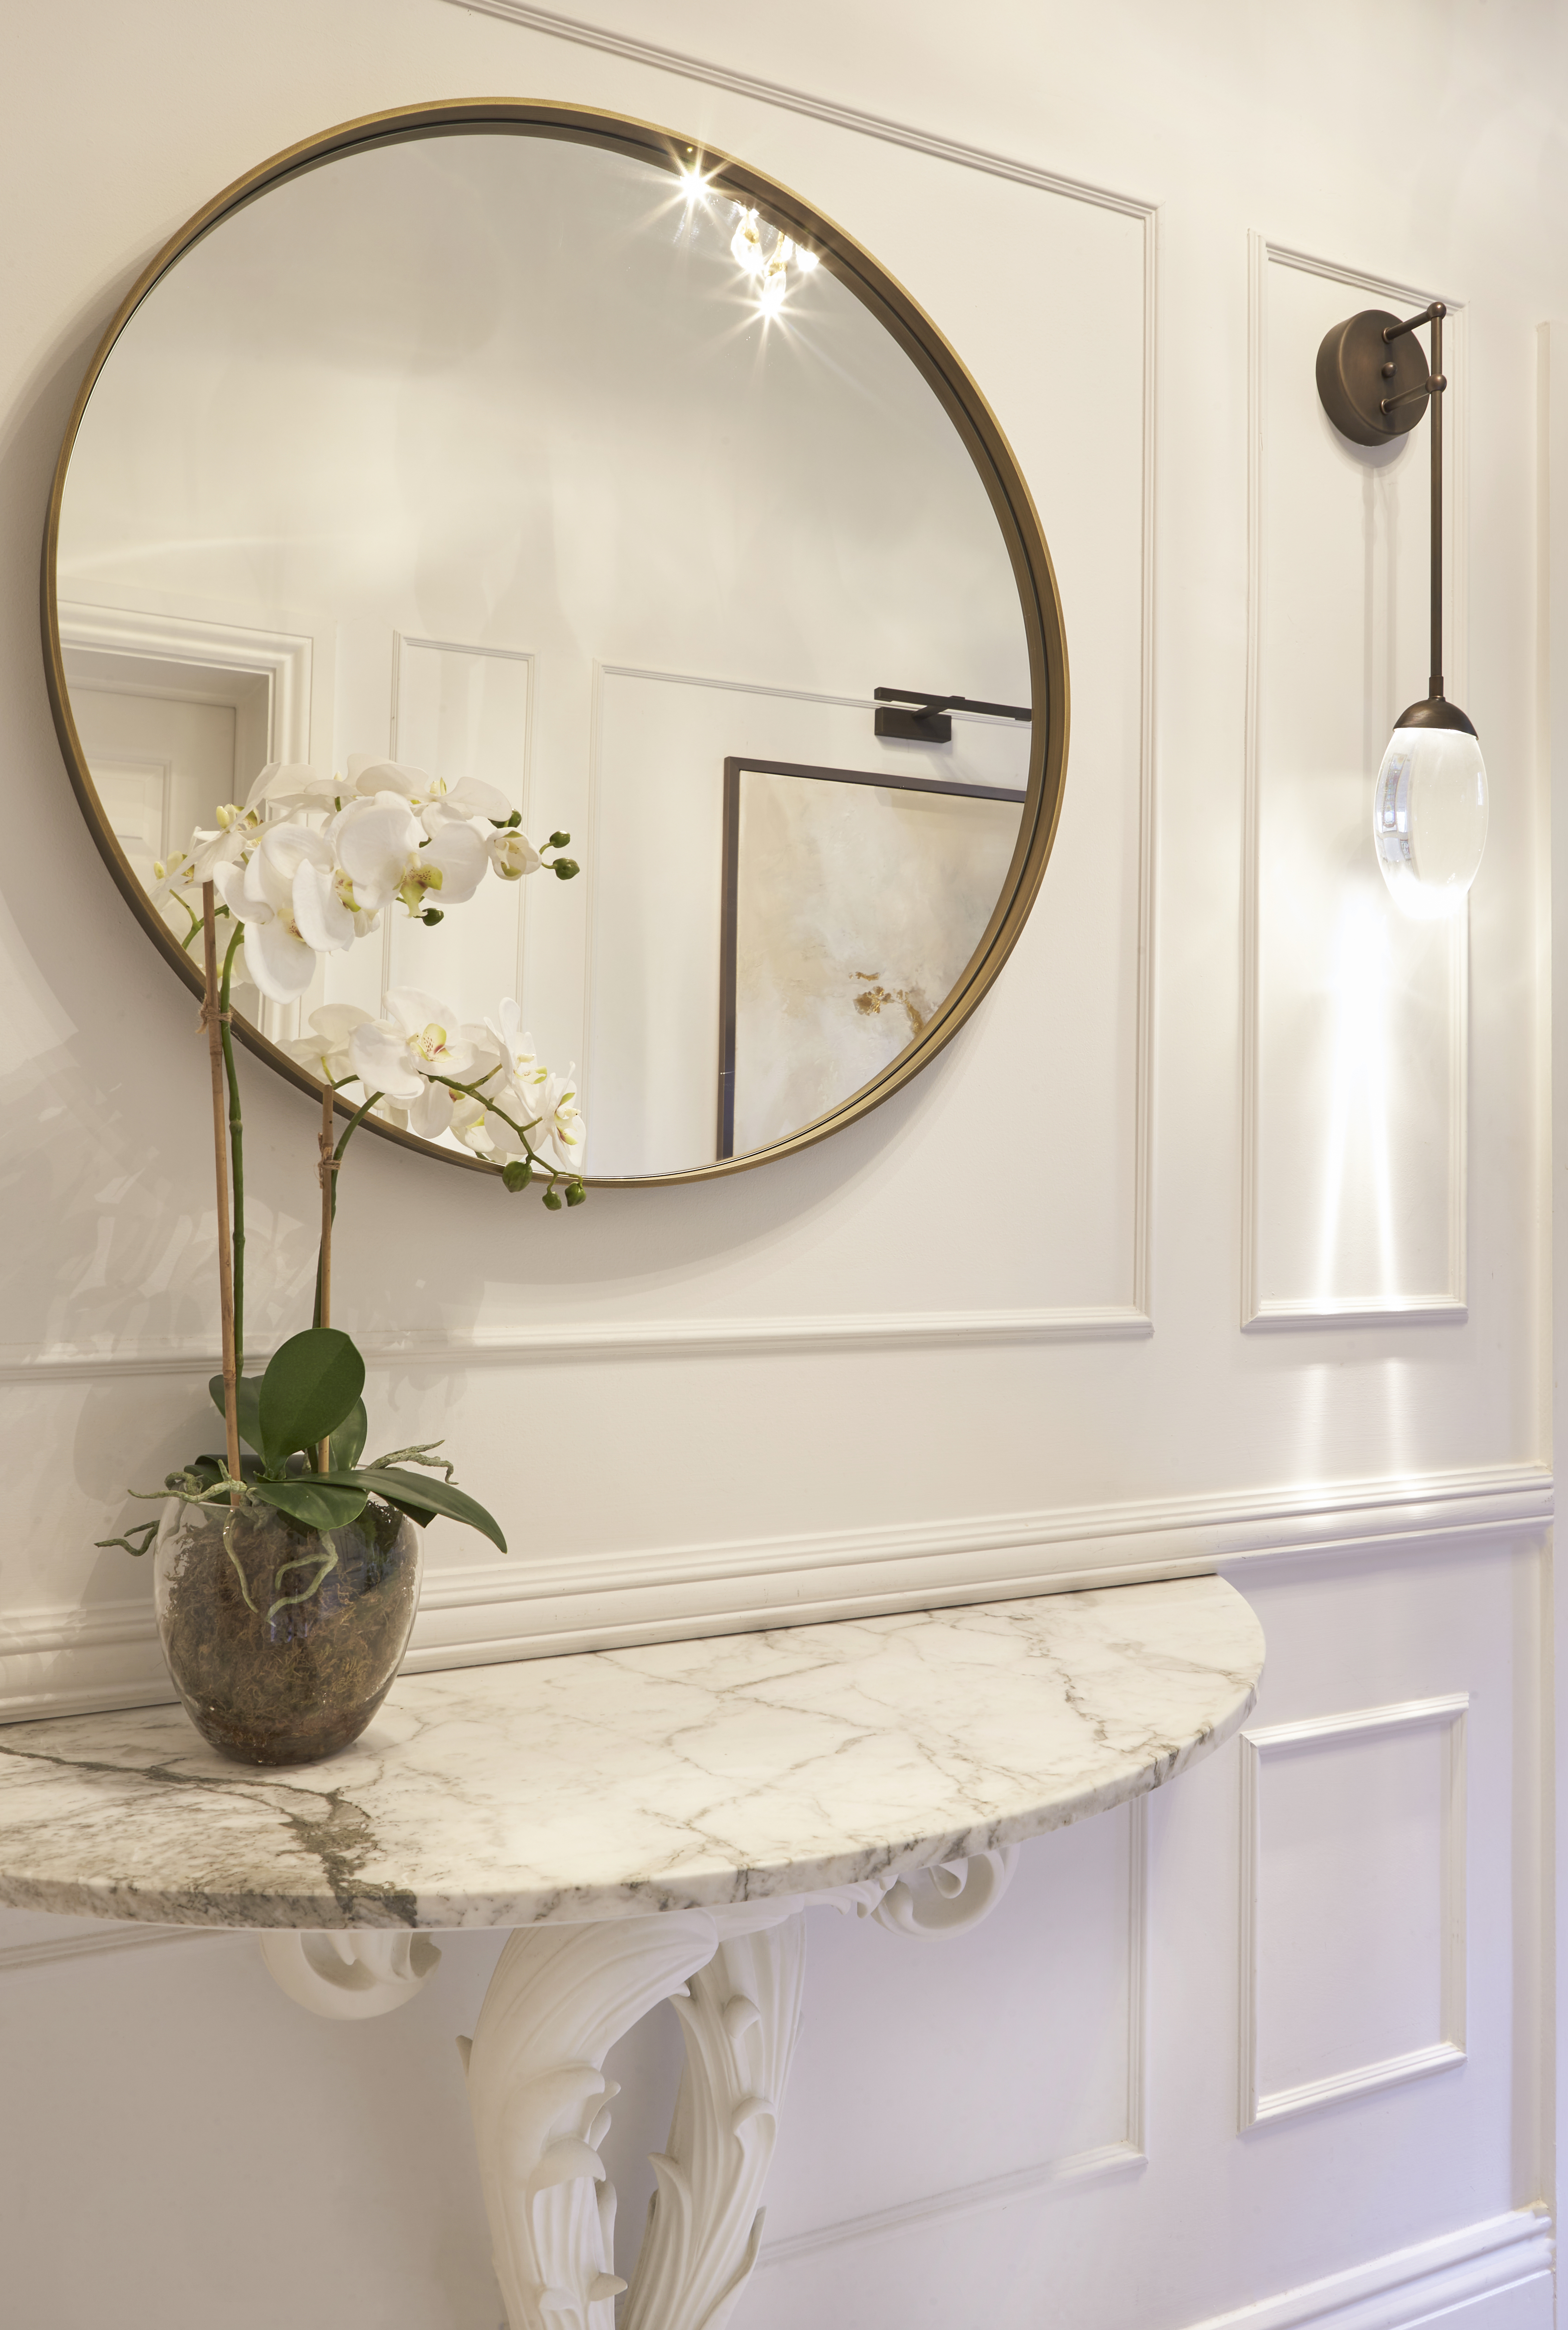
[1354,1016]
[1352,1904]
[1038,2049]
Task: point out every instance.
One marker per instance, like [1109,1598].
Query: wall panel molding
[1146,212]
[622,1338]
[68,1659]
[66,1950]
[1073,2167]
[1447,1302]
[1446,1715]
[794,100]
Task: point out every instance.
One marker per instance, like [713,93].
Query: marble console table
[651,1823]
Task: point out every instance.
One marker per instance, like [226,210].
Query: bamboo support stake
[212,1019]
[328,1177]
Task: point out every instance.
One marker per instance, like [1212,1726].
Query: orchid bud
[517,1174]
[512,854]
[575,1193]
[558,841]
[552,1200]
[564,868]
[431,916]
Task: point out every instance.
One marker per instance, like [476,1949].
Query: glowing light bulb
[807,260]
[1429,815]
[746,244]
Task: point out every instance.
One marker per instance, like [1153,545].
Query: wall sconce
[1429,807]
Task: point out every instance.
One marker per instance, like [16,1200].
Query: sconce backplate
[1357,369]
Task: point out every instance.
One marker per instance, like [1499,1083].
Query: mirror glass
[463,490]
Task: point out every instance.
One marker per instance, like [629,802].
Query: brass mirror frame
[926,349]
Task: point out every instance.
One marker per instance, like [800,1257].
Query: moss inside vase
[282,1641]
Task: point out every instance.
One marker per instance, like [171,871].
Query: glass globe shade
[1429,818]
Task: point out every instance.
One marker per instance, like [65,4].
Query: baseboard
[67,1660]
[1498,2271]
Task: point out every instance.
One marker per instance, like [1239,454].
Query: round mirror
[583,621]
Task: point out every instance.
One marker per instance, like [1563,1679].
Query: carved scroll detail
[948,1898]
[740,2019]
[348,1975]
[559,1999]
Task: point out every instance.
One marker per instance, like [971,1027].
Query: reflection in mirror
[469,490]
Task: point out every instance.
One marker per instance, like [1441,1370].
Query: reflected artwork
[852,905]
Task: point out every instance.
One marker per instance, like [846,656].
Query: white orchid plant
[303,868]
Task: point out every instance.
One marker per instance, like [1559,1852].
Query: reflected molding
[919,340]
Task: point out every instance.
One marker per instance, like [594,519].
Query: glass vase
[282,1641]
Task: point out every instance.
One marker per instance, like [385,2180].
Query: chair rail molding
[1446,1715]
[78,1659]
[1447,1302]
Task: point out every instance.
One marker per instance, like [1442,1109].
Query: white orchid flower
[325,1052]
[375,842]
[560,1123]
[174,895]
[228,843]
[485,1052]
[436,801]
[470,1124]
[420,1037]
[382,848]
[457,854]
[512,854]
[170,878]
[287,899]
[524,1070]
[293,785]
[431,1114]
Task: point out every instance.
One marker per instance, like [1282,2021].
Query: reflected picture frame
[738,949]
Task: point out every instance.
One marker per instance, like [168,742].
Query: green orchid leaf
[310,1388]
[423,1500]
[310,1498]
[420,1519]
[346,1444]
[249,1390]
[209,1470]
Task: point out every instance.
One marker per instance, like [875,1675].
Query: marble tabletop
[615,1783]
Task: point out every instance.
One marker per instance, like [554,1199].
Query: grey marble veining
[616,1783]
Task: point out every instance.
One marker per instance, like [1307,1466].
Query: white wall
[914,1362]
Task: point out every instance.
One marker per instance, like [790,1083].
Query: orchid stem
[329,1209]
[212,1009]
[236,1154]
[477,1092]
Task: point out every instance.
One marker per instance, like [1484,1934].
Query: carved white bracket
[347,1976]
[560,1998]
[740,2018]
[949,1898]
